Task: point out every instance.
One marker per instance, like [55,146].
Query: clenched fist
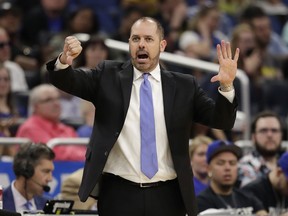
[72,48]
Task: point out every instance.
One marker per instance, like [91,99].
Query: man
[113,154]
[44,123]
[273,50]
[33,166]
[272,189]
[222,159]
[266,131]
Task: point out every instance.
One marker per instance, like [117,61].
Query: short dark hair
[265,114]
[29,156]
[160,28]
[251,12]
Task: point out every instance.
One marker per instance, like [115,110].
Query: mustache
[142,52]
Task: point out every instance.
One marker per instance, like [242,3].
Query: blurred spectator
[273,49]
[70,109]
[94,51]
[11,20]
[222,158]
[266,136]
[130,15]
[197,150]
[272,188]
[16,72]
[251,61]
[232,8]
[39,25]
[277,12]
[69,191]
[44,20]
[44,123]
[204,26]
[108,13]
[172,15]
[224,26]
[88,112]
[8,110]
[33,167]
[149,6]
[82,20]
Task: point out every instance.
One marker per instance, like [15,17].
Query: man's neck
[20,186]
[221,190]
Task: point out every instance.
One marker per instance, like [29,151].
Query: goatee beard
[267,153]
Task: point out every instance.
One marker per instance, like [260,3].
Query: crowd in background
[32,32]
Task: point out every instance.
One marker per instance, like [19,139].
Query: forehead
[145,28]
[46,92]
[44,163]
[268,122]
[224,156]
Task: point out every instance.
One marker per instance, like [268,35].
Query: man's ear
[163,45]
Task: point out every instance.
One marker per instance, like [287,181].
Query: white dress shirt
[124,158]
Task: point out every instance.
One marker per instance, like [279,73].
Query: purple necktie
[28,205]
[149,163]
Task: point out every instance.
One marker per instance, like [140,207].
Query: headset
[27,157]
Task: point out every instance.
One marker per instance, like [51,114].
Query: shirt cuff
[229,95]
[59,65]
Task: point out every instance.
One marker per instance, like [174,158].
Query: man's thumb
[214,78]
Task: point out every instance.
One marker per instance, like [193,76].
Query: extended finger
[224,49]
[236,56]
[229,52]
[219,53]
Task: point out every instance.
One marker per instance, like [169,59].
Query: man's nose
[142,43]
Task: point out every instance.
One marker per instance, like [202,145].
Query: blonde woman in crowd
[197,151]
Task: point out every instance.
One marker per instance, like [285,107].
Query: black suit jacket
[109,86]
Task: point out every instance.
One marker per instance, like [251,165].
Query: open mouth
[142,56]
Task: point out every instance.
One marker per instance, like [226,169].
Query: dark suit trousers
[120,197]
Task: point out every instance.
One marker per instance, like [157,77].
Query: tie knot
[145,76]
[28,205]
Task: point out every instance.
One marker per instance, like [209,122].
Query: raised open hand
[228,65]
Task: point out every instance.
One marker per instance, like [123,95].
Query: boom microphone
[46,188]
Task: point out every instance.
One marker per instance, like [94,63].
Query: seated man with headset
[33,166]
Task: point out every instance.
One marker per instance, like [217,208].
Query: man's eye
[135,39]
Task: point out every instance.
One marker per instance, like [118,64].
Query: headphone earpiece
[26,168]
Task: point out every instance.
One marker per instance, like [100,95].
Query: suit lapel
[126,80]
[168,88]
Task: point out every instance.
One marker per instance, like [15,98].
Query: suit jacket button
[116,134]
[106,153]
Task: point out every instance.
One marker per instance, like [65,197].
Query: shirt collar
[19,200]
[154,73]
